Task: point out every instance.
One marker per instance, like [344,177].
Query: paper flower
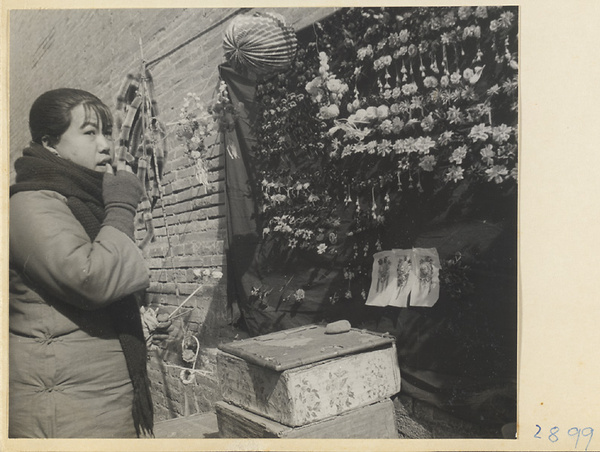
[480,132]
[458,155]
[455,174]
[497,173]
[406,105]
[299,295]
[427,163]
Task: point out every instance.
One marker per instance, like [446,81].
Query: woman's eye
[90,132]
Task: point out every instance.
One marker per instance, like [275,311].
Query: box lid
[309,344]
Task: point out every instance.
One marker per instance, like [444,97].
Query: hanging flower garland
[401,111]
[430,109]
[199,121]
[294,205]
[194,127]
[223,111]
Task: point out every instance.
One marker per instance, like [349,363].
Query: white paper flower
[365,52]
[458,155]
[430,82]
[427,163]
[383,111]
[371,113]
[455,78]
[480,132]
[455,174]
[497,173]
[501,133]
[329,111]
[409,89]
[336,86]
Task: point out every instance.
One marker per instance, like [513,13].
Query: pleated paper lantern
[261,43]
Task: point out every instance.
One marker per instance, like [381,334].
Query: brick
[157,249]
[191,261]
[180,208]
[185,172]
[181,230]
[181,184]
[216,199]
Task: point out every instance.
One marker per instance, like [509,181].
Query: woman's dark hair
[50,114]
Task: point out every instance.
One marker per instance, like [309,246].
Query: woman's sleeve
[53,250]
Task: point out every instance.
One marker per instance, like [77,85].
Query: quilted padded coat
[67,371]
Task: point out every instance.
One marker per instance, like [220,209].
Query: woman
[77,350]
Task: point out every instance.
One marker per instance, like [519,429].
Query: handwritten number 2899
[574,432]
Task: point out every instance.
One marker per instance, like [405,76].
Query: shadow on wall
[183,370]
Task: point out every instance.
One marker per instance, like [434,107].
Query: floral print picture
[403,275]
[404,267]
[383,273]
[384,280]
[403,278]
[426,286]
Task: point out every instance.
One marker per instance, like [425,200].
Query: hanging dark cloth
[261,281]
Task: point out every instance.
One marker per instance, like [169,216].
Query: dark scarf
[39,169]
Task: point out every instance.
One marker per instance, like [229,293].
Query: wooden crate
[300,376]
[376,421]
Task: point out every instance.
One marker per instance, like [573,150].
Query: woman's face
[83,142]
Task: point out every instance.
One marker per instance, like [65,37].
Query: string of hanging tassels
[142,144]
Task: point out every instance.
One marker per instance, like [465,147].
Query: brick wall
[95,50]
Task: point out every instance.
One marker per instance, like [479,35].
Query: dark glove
[122,193]
[157,328]
[163,329]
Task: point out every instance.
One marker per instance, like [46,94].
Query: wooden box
[376,421]
[299,376]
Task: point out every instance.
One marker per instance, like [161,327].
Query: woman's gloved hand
[163,329]
[157,327]
[122,192]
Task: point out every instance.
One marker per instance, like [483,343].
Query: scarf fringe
[142,409]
